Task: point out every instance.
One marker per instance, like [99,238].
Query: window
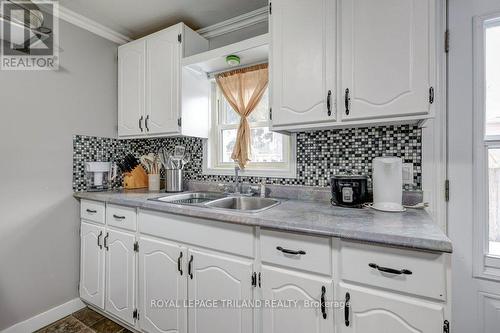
[487,146]
[273,154]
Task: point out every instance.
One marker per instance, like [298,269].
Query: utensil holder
[173,179]
[154,182]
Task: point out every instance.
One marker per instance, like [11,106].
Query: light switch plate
[407,173]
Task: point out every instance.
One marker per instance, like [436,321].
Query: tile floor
[84,321]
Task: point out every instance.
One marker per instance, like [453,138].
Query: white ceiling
[137,18]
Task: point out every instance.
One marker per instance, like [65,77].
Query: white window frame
[212,164]
[486,265]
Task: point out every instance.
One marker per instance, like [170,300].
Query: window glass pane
[494,200]
[231,116]
[267,146]
[492,77]
[228,141]
[261,112]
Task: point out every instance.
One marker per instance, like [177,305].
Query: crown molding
[236,23]
[92,26]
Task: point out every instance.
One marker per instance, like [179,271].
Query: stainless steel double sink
[221,201]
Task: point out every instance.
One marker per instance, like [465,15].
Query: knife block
[135,179]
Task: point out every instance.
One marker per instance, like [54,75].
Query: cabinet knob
[140,123]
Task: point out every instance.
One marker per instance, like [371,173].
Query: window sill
[490,269]
[273,173]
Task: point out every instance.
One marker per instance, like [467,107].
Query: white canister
[154,182]
[388,184]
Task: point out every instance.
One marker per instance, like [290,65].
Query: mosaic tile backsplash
[320,154]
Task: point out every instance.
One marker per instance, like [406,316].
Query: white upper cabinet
[163,67]
[377,58]
[150,99]
[131,88]
[387,58]
[302,61]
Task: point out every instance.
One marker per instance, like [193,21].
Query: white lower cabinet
[215,276]
[120,275]
[175,278]
[376,311]
[92,264]
[162,285]
[309,291]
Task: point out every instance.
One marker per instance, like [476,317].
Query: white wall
[473,310]
[39,226]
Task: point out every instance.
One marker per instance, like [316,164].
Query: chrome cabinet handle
[287,251]
[91,211]
[190,272]
[118,217]
[328,103]
[323,305]
[146,123]
[391,270]
[347,101]
[140,123]
[99,240]
[106,241]
[179,263]
[346,309]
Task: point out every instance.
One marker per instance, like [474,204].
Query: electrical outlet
[408,173]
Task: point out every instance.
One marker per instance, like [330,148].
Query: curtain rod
[212,75]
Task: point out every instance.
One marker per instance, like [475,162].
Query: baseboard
[45,318]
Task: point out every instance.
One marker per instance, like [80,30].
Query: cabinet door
[92,264]
[218,277]
[307,290]
[381,312]
[302,61]
[120,275]
[387,57]
[131,88]
[162,279]
[163,81]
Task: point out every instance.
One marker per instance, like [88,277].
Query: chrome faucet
[237,184]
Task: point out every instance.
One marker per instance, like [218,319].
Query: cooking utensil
[185,160]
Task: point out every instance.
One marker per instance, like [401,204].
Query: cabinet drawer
[309,253]
[121,217]
[92,211]
[424,275]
